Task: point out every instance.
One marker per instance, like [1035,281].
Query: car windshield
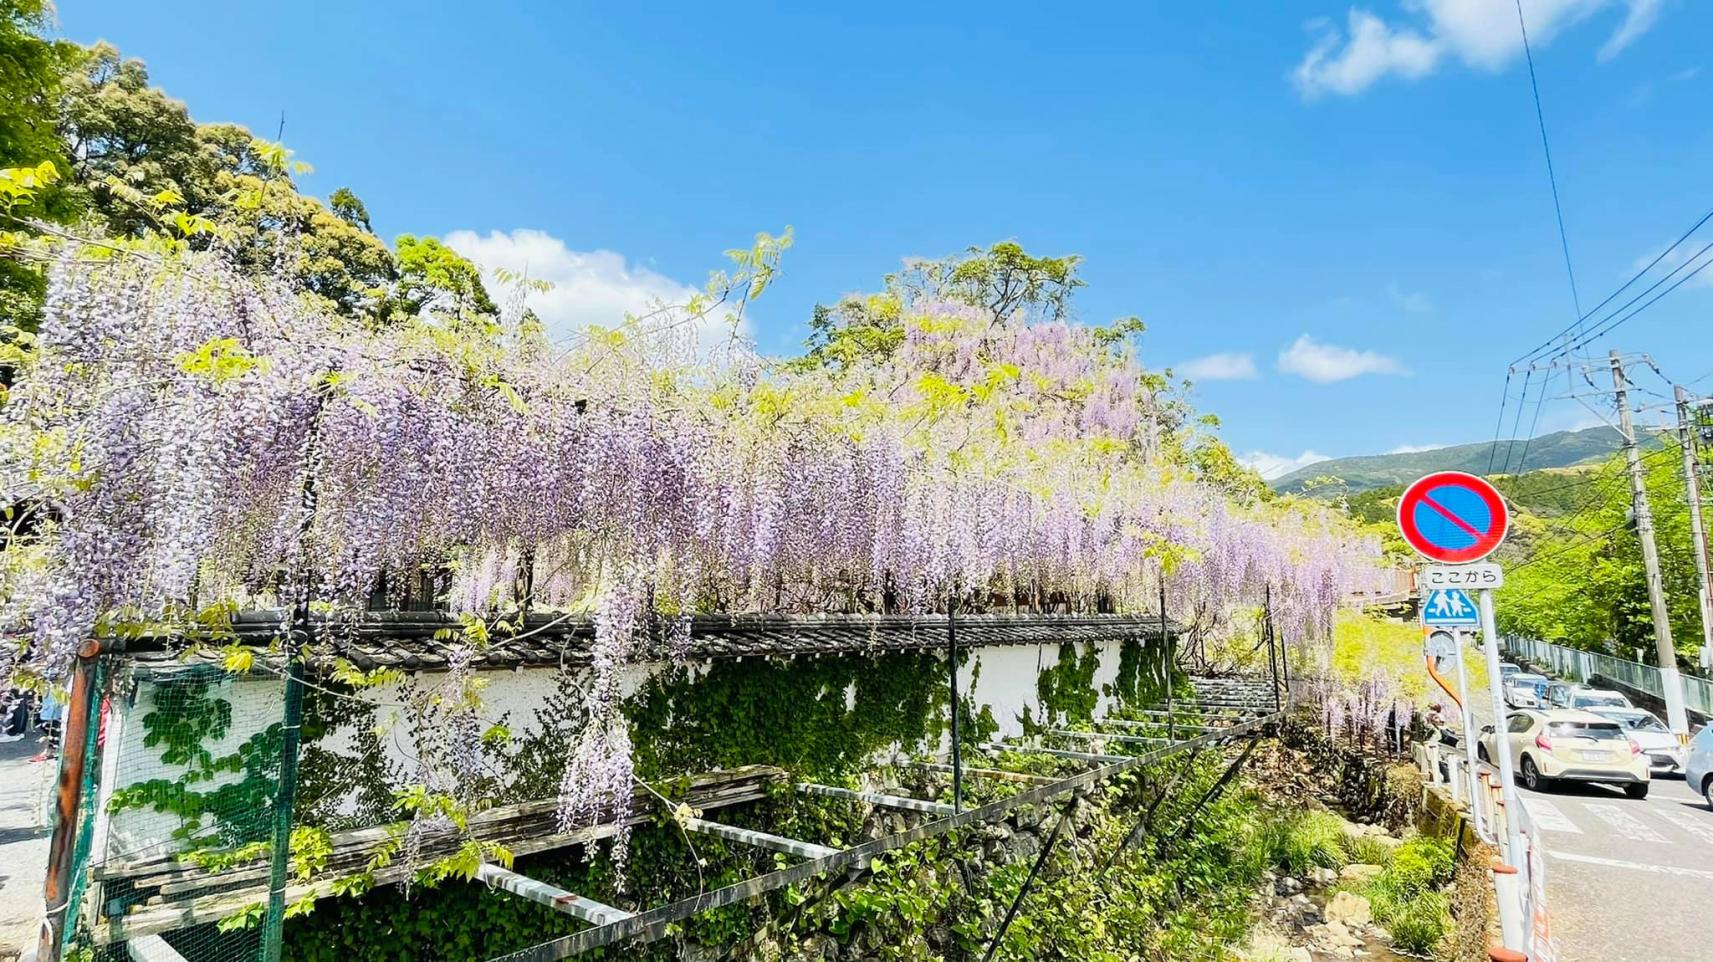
[1597,701]
[1642,722]
[1528,679]
[1599,731]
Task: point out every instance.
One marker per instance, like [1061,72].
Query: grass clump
[1405,896]
[1367,850]
[1306,840]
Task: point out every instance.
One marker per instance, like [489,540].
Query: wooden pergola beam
[152,948]
[1110,737]
[773,843]
[876,798]
[584,909]
[1063,753]
[998,774]
[1156,725]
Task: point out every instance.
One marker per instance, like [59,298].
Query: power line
[1613,325]
[1638,275]
[1551,176]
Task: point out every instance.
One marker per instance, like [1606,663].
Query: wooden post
[75,748]
[1272,656]
[297,651]
[1171,660]
[957,746]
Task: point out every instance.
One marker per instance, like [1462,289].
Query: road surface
[1627,880]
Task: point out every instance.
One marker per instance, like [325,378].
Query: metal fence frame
[1584,666]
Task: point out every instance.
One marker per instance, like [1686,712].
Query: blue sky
[1344,207]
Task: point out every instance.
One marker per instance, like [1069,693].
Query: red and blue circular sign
[1452,517]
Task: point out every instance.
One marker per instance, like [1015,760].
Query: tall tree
[30,72]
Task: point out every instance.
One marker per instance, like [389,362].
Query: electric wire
[1551,175]
[1638,275]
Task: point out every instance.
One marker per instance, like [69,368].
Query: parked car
[1526,690]
[1563,694]
[1506,670]
[1698,763]
[1570,745]
[1665,755]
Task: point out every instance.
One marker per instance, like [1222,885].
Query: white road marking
[1699,826]
[1623,822]
[1638,866]
[1550,816]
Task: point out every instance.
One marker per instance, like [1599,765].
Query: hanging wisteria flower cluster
[176,413]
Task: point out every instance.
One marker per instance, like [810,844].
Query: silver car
[1665,755]
[1698,766]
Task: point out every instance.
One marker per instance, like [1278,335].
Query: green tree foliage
[30,72]
[131,142]
[134,158]
[1574,564]
[1001,279]
[433,278]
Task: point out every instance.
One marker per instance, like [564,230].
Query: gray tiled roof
[407,639]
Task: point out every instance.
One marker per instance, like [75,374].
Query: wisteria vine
[156,447]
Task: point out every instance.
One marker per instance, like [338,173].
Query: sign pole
[1456,520]
[1501,744]
[1469,734]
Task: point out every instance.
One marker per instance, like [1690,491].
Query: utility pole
[1686,437]
[1670,680]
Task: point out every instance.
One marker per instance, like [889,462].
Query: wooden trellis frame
[1230,709]
[653,924]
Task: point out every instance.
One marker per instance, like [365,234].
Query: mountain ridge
[1560,449]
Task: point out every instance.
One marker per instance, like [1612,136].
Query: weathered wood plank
[523,837]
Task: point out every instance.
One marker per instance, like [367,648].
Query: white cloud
[1336,64]
[589,287]
[1483,34]
[1414,448]
[1640,19]
[1272,466]
[1684,259]
[1220,367]
[1326,363]
[1413,302]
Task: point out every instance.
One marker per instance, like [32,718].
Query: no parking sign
[1452,517]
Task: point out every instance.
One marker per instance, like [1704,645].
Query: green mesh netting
[179,832]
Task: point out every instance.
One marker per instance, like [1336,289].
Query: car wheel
[1636,791]
[1532,778]
[1707,790]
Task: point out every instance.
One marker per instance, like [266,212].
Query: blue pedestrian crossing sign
[1447,607]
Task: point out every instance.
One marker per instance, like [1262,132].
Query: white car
[1526,690]
[1665,755]
[1698,766]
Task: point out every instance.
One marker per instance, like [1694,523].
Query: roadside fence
[1584,666]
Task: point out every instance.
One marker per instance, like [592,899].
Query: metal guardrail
[1582,666]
